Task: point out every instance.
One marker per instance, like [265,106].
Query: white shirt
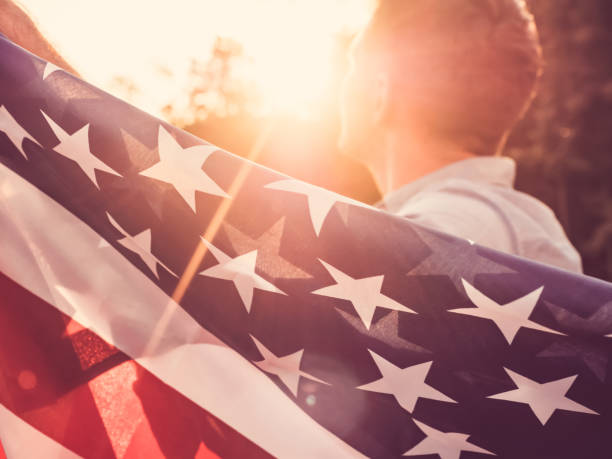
[475,199]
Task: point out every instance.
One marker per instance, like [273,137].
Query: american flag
[162,297]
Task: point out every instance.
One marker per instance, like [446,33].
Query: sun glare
[294,59]
[290,43]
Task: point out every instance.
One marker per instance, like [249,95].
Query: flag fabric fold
[161,297]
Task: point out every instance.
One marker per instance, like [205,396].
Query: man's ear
[381,98]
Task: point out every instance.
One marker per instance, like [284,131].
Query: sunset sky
[290,41]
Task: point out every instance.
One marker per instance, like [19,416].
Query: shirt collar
[488,170]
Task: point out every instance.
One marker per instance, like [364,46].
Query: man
[434,89]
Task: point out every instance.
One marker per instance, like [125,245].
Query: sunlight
[289,42]
[294,71]
[294,61]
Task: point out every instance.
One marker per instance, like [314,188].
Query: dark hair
[466,68]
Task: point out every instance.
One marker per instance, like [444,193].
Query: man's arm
[18,27]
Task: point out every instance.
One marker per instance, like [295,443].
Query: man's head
[459,71]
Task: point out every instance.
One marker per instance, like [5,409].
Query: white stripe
[53,254]
[20,440]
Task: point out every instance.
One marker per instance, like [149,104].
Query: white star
[405,384]
[182,168]
[543,399]
[287,368]
[268,247]
[363,293]
[448,445]
[320,201]
[241,271]
[76,148]
[13,130]
[49,69]
[139,244]
[509,317]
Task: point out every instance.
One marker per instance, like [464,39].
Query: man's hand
[17,26]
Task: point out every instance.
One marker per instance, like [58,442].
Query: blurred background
[227,70]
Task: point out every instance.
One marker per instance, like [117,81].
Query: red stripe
[77,389]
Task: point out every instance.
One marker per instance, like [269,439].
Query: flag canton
[395,338]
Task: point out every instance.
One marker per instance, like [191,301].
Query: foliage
[563,145]
[218,87]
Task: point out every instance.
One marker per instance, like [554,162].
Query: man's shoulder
[459,194]
[496,216]
[463,208]
[503,207]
